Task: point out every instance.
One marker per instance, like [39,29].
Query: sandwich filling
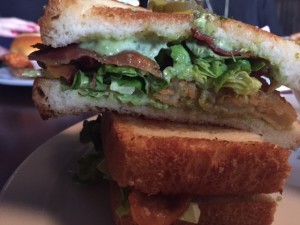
[198,73]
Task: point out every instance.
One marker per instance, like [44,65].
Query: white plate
[41,191]
[7,78]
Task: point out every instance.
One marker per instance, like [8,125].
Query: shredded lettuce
[32,73]
[124,206]
[127,85]
[122,89]
[191,214]
[211,71]
[238,79]
[183,68]
[87,169]
[91,166]
[91,132]
[190,61]
[88,165]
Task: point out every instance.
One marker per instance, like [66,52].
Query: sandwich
[16,59]
[202,136]
[194,68]
[167,173]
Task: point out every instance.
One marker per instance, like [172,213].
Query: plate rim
[13,80]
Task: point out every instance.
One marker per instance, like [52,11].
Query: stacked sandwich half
[201,129]
[176,174]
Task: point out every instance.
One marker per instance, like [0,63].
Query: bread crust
[283,54]
[52,102]
[153,163]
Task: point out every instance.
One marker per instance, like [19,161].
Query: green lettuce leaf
[119,71]
[189,61]
[127,85]
[210,68]
[124,206]
[237,78]
[211,71]
[183,68]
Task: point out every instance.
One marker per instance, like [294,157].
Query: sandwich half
[171,158]
[169,173]
[195,68]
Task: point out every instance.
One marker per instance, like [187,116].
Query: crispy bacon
[63,71]
[157,209]
[210,42]
[48,56]
[136,60]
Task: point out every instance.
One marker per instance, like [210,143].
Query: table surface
[21,128]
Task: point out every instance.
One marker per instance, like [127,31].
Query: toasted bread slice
[52,102]
[163,157]
[105,19]
[225,210]
[65,22]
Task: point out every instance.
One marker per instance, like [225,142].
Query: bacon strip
[210,42]
[48,56]
[157,209]
[136,60]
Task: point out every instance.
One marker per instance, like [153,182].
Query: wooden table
[21,128]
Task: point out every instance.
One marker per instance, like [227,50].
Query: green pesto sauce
[112,47]
[205,22]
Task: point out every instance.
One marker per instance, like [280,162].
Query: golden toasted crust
[229,210]
[240,211]
[151,162]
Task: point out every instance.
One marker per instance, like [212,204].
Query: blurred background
[289,16]
[29,10]
[282,14]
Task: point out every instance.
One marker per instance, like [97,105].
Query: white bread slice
[283,54]
[73,21]
[225,210]
[52,102]
[65,22]
[171,158]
